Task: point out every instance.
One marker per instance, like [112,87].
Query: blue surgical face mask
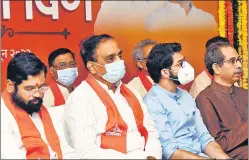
[67,76]
[114,71]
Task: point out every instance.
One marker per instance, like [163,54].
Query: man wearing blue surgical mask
[63,70]
[182,132]
[105,118]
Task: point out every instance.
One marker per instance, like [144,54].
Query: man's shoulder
[134,81]
[6,115]
[206,93]
[153,101]
[4,108]
[203,74]
[80,92]
[241,90]
[149,95]
[185,94]
[132,88]
[202,78]
[48,99]
[155,95]
[81,88]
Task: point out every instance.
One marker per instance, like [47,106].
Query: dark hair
[56,53]
[89,45]
[214,55]
[161,56]
[23,65]
[215,40]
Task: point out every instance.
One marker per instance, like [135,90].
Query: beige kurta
[137,85]
[48,99]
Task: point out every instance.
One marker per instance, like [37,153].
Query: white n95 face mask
[115,71]
[67,76]
[186,73]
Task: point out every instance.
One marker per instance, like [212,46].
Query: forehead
[67,57]
[36,80]
[147,49]
[106,47]
[229,52]
[177,56]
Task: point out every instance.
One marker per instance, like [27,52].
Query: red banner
[43,26]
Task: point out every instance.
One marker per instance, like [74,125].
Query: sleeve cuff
[205,140]
[169,150]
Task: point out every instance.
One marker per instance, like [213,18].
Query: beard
[30,107]
[174,78]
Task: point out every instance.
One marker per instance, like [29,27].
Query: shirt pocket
[190,110]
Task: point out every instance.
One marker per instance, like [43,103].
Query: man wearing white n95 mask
[182,132]
[104,117]
[63,72]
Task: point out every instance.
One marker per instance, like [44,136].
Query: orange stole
[145,81]
[116,128]
[58,97]
[31,138]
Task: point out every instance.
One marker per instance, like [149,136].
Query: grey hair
[138,50]
[214,55]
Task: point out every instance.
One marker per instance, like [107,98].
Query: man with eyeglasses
[27,130]
[204,78]
[143,83]
[183,134]
[105,118]
[223,106]
[63,72]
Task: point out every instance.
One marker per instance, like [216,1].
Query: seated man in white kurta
[27,130]
[104,117]
[63,72]
[143,82]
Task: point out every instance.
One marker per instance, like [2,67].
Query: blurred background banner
[43,26]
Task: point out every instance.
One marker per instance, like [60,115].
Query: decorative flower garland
[244,42]
[229,13]
[239,29]
[236,23]
[233,22]
[222,18]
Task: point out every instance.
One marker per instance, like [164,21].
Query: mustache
[239,70]
[36,99]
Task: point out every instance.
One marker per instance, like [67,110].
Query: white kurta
[48,99]
[137,85]
[172,16]
[11,143]
[86,118]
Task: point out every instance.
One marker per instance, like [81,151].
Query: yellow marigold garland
[239,26]
[244,41]
[222,19]
[240,32]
